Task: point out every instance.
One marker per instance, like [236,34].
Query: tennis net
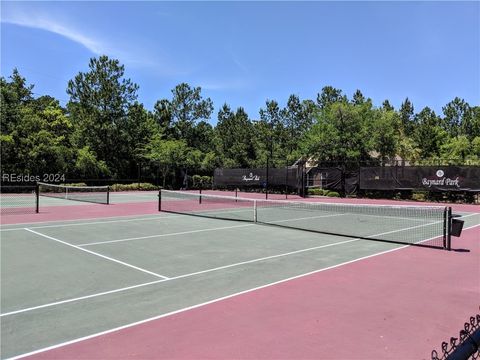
[93,194]
[18,199]
[423,225]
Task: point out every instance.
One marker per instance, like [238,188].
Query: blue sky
[244,53]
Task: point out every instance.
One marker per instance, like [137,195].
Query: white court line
[175,278]
[97,254]
[203,271]
[149,195]
[164,235]
[158,217]
[197,231]
[207,303]
[81,298]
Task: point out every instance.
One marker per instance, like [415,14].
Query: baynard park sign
[441,180]
[251,177]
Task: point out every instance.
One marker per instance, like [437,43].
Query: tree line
[105,132]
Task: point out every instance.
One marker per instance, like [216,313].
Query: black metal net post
[449,228]
[445,228]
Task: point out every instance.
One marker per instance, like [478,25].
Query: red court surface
[398,305]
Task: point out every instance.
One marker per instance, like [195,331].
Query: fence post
[286,181]
[160,200]
[266,183]
[37,198]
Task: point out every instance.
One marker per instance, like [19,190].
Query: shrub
[201,182]
[315,191]
[419,195]
[134,187]
[322,192]
[76,184]
[333,194]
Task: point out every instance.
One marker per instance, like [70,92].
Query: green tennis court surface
[65,280]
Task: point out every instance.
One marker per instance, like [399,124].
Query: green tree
[163,116]
[457,148]
[99,104]
[15,95]
[339,135]
[458,118]
[234,133]
[139,130]
[408,150]
[387,106]
[203,137]
[429,133]
[329,96]
[407,117]
[35,133]
[475,122]
[186,108]
[476,148]
[88,166]
[273,135]
[298,119]
[384,134]
[168,155]
[358,98]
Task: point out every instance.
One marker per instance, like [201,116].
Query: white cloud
[43,23]
[239,64]
[126,53]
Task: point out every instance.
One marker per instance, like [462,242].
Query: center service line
[97,254]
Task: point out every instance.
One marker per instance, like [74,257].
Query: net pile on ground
[18,200]
[93,194]
[401,224]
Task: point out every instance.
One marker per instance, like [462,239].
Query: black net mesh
[18,200]
[93,194]
[399,224]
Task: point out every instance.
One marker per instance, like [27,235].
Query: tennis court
[63,281]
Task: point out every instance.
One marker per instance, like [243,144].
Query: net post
[37,198]
[200,197]
[445,227]
[255,211]
[236,194]
[449,228]
[160,200]
[108,195]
